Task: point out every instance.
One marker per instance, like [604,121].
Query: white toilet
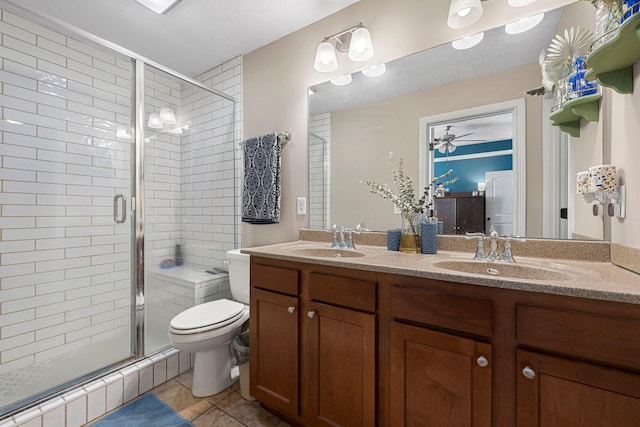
[207,329]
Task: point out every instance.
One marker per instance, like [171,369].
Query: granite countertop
[587,279]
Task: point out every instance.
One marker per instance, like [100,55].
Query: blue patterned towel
[261,186]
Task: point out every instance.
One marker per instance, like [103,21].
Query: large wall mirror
[479,95]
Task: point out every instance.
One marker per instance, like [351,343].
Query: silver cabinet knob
[311,313]
[482,362]
[291,309]
[528,372]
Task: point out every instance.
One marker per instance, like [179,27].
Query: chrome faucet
[343,237]
[493,244]
[494,239]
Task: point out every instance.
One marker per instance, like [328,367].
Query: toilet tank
[238,275]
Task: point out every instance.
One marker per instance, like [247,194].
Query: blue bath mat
[147,410]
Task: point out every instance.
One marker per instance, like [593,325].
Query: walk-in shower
[91,192]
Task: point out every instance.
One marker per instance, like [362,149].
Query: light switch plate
[301,205]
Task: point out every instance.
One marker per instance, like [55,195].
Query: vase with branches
[404,198]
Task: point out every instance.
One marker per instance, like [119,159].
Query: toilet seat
[206,317]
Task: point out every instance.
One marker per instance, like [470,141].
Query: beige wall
[276,77]
[362,137]
[622,137]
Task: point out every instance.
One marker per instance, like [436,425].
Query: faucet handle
[360,228]
[480,246]
[507,255]
[510,237]
[478,235]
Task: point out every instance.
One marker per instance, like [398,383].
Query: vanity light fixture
[342,80]
[463,13]
[154,121]
[123,132]
[374,70]
[167,116]
[355,41]
[159,6]
[468,41]
[524,24]
[520,3]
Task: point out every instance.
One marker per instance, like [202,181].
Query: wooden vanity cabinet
[438,376]
[579,368]
[313,349]
[273,368]
[343,347]
[339,351]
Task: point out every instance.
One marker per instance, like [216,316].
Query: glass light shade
[167,116]
[326,60]
[463,13]
[468,41]
[122,132]
[519,3]
[374,70]
[342,80]
[524,24]
[159,6]
[361,47]
[154,121]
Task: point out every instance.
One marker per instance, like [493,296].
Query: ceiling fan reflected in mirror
[444,144]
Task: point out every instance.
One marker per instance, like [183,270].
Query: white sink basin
[508,270]
[328,252]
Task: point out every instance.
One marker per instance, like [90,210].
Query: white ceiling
[194,36]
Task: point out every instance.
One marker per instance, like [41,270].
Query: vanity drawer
[608,339]
[278,279]
[458,313]
[343,291]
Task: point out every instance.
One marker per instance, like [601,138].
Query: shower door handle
[122,216]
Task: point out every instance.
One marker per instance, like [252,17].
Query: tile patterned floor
[225,409]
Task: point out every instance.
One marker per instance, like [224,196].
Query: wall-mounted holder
[599,184]
[618,205]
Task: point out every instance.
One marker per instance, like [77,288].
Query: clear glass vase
[608,16]
[410,236]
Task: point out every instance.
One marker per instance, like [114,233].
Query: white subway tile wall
[64,264]
[190,179]
[319,170]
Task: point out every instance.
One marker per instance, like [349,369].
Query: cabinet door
[470,213]
[446,211]
[558,392]
[438,379]
[274,350]
[340,351]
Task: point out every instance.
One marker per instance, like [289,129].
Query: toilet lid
[207,314]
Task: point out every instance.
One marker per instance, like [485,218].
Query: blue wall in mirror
[471,162]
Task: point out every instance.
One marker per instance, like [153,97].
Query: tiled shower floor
[48,374]
[225,409]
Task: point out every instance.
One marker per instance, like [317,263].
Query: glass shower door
[66,226]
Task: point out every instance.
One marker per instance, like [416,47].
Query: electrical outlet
[301,206]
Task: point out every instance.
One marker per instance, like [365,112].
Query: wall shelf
[612,63]
[567,117]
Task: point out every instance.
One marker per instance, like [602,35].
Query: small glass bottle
[178,260]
